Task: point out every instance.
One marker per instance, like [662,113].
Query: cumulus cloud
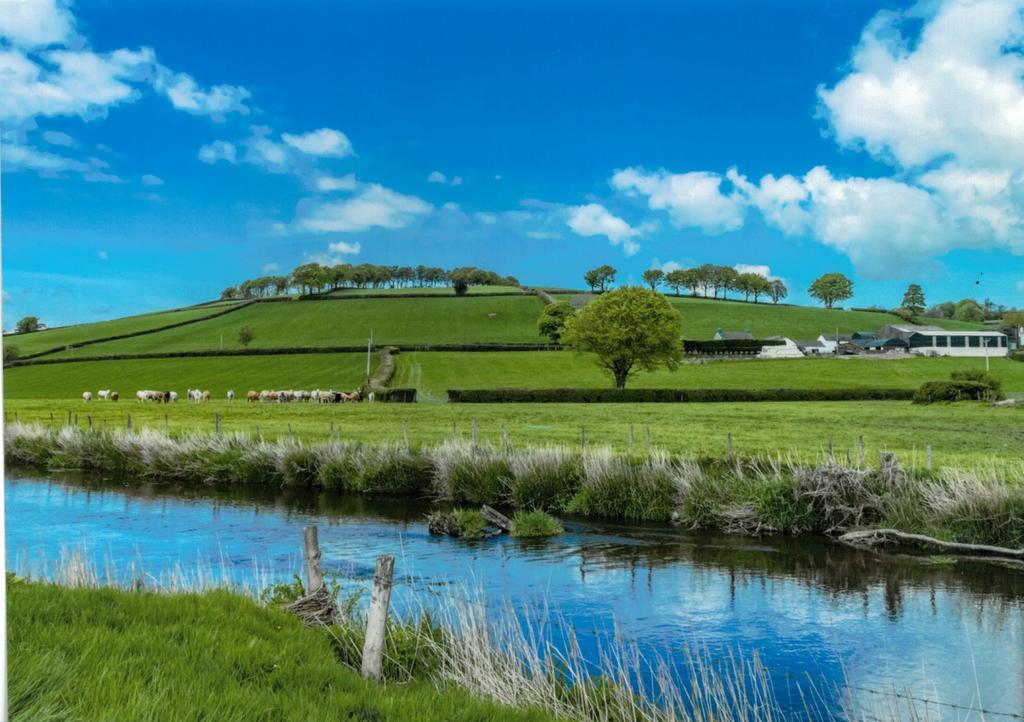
[374,206]
[759,269]
[328,183]
[54,137]
[219,150]
[439,177]
[323,142]
[693,199]
[36,23]
[149,179]
[594,219]
[185,94]
[343,248]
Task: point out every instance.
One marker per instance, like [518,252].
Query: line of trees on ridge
[699,280]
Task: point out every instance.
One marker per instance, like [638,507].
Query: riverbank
[92,653]
[736,494]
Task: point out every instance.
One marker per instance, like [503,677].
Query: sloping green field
[349,323]
[343,371]
[434,372]
[30,343]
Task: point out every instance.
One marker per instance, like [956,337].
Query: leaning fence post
[631,438]
[87,418]
[311,550]
[376,621]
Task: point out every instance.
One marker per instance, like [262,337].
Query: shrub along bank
[492,396]
[742,495]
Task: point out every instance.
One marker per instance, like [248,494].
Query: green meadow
[969,433]
[433,372]
[489,319]
[106,654]
[30,343]
[343,371]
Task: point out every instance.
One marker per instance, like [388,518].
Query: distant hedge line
[495,396]
[395,396]
[56,349]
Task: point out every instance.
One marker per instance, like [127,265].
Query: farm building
[829,341]
[810,347]
[787,349]
[936,341]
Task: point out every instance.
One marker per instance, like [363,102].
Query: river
[817,614]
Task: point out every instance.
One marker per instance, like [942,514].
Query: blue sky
[157,152]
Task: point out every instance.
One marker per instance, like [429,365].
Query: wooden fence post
[728,443]
[831,449]
[648,440]
[376,622]
[216,423]
[583,439]
[311,550]
[89,421]
[167,425]
[860,442]
[928,456]
[506,438]
[69,419]
[15,417]
[631,438]
[473,431]
[129,424]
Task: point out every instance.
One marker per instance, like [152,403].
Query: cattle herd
[317,396]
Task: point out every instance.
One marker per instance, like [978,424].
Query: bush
[968,385]
[535,524]
[491,396]
[1017,355]
[465,523]
[399,396]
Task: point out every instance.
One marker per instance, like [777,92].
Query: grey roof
[832,336]
[912,328]
[807,343]
[736,335]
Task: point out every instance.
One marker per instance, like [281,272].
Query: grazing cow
[172,396]
[370,398]
[253,396]
[103,394]
[205,397]
[87,396]
[114,396]
[231,395]
[194,395]
[160,397]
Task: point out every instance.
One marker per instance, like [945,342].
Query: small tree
[552,320]
[677,279]
[830,288]
[777,290]
[10,353]
[627,329]
[246,335]
[600,278]
[913,299]
[969,310]
[461,287]
[653,277]
[28,325]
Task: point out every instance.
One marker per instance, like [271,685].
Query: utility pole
[369,347]
[984,342]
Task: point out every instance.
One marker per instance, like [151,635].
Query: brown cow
[206,396]
[253,396]
[113,396]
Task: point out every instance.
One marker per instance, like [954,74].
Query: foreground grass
[349,323]
[30,343]
[969,434]
[105,654]
[306,371]
[433,373]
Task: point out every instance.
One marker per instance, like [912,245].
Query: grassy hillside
[217,375]
[104,654]
[435,372]
[30,343]
[348,323]
[969,434]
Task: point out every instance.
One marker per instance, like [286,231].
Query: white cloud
[327,183]
[36,23]
[185,94]
[691,199]
[437,177]
[343,248]
[219,150]
[374,206]
[55,137]
[953,88]
[149,179]
[594,219]
[324,142]
[668,266]
[780,200]
[759,269]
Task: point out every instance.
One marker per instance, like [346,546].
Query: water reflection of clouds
[809,611]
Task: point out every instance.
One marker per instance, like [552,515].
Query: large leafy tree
[677,279]
[600,278]
[653,277]
[28,325]
[969,310]
[830,288]
[777,290]
[913,299]
[627,329]
[552,320]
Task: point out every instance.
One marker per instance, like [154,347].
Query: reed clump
[759,495]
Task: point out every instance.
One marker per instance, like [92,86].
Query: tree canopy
[627,329]
[600,278]
[653,277]
[830,288]
[28,325]
[552,320]
[913,299]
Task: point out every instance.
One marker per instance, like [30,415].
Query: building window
[958,341]
[975,341]
[942,341]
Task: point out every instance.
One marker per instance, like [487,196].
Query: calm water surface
[812,611]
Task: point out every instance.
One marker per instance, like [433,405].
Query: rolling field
[434,372]
[965,434]
[30,343]
[702,317]
[343,371]
[348,323]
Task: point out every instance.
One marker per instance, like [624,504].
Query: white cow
[87,396]
[195,395]
[231,395]
[104,394]
[172,396]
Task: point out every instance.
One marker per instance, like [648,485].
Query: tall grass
[757,495]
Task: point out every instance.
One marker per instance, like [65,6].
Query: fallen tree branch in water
[894,537]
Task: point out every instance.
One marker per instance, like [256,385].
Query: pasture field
[495,319]
[702,317]
[964,434]
[83,653]
[30,343]
[434,372]
[343,371]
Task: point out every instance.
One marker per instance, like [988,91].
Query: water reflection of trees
[834,569]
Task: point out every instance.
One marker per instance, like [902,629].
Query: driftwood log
[497,518]
[895,538]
